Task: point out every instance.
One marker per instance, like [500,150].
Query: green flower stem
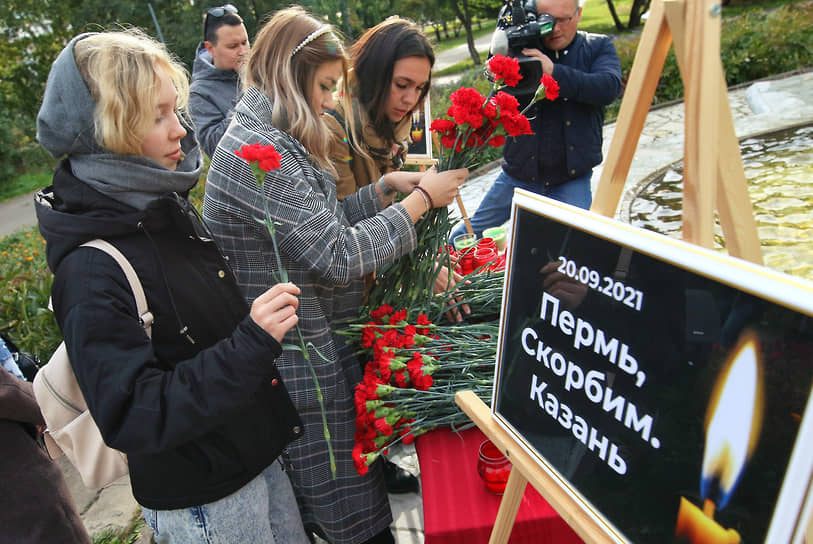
[303,348]
[321,400]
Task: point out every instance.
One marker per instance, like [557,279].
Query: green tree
[338,13]
[419,11]
[464,15]
[638,8]
[34,32]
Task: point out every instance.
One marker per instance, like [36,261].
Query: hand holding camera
[520,30]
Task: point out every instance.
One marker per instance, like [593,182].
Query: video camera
[519,27]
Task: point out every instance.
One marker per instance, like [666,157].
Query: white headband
[312,36]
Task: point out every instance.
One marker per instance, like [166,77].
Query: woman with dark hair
[326,247]
[389,78]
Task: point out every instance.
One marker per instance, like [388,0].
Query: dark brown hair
[373,57]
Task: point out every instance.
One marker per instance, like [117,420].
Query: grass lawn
[24,183]
[596,16]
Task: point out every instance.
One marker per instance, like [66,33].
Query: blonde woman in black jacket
[199,408]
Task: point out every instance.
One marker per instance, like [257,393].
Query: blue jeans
[495,208]
[263,511]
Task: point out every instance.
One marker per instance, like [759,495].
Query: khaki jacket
[354,171]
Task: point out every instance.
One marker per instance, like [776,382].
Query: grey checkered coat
[327,247]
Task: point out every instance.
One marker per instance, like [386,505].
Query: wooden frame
[714,173]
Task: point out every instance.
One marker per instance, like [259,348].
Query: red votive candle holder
[466,260]
[487,242]
[493,467]
[484,256]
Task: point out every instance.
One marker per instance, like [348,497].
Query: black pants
[384,537]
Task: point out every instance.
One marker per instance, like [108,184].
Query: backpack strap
[144,314]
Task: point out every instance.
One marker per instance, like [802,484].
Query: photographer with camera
[557,160]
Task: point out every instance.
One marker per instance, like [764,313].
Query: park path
[17,213]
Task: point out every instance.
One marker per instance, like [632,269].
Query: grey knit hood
[65,127]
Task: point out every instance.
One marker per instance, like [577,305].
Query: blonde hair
[286,54]
[120,70]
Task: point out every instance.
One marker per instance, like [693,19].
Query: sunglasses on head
[217,12]
[220,11]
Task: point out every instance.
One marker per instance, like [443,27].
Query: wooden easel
[714,178]
[713,171]
[525,469]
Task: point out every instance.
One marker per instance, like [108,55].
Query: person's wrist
[426,196]
[385,187]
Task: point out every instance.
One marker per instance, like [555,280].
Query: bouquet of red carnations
[478,121]
[416,365]
[413,373]
[474,122]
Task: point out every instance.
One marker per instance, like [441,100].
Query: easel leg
[509,506]
[702,94]
[464,214]
[643,80]
[732,198]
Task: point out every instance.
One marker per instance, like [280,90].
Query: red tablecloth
[457,508]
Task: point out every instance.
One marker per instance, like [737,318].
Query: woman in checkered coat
[327,248]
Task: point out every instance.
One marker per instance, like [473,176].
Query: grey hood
[65,119]
[65,128]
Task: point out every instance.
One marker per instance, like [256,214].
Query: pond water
[779,169]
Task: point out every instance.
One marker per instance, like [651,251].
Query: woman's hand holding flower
[275,310]
[445,283]
[443,186]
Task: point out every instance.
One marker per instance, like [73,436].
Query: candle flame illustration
[733,421]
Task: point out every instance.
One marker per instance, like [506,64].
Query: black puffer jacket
[200,409]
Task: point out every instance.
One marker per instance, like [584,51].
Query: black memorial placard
[665,386]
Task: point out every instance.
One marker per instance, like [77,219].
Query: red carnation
[383,427]
[390,337]
[491,111]
[551,86]
[381,311]
[447,141]
[265,156]
[506,103]
[398,316]
[423,321]
[443,126]
[505,69]
[516,125]
[400,378]
[467,105]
